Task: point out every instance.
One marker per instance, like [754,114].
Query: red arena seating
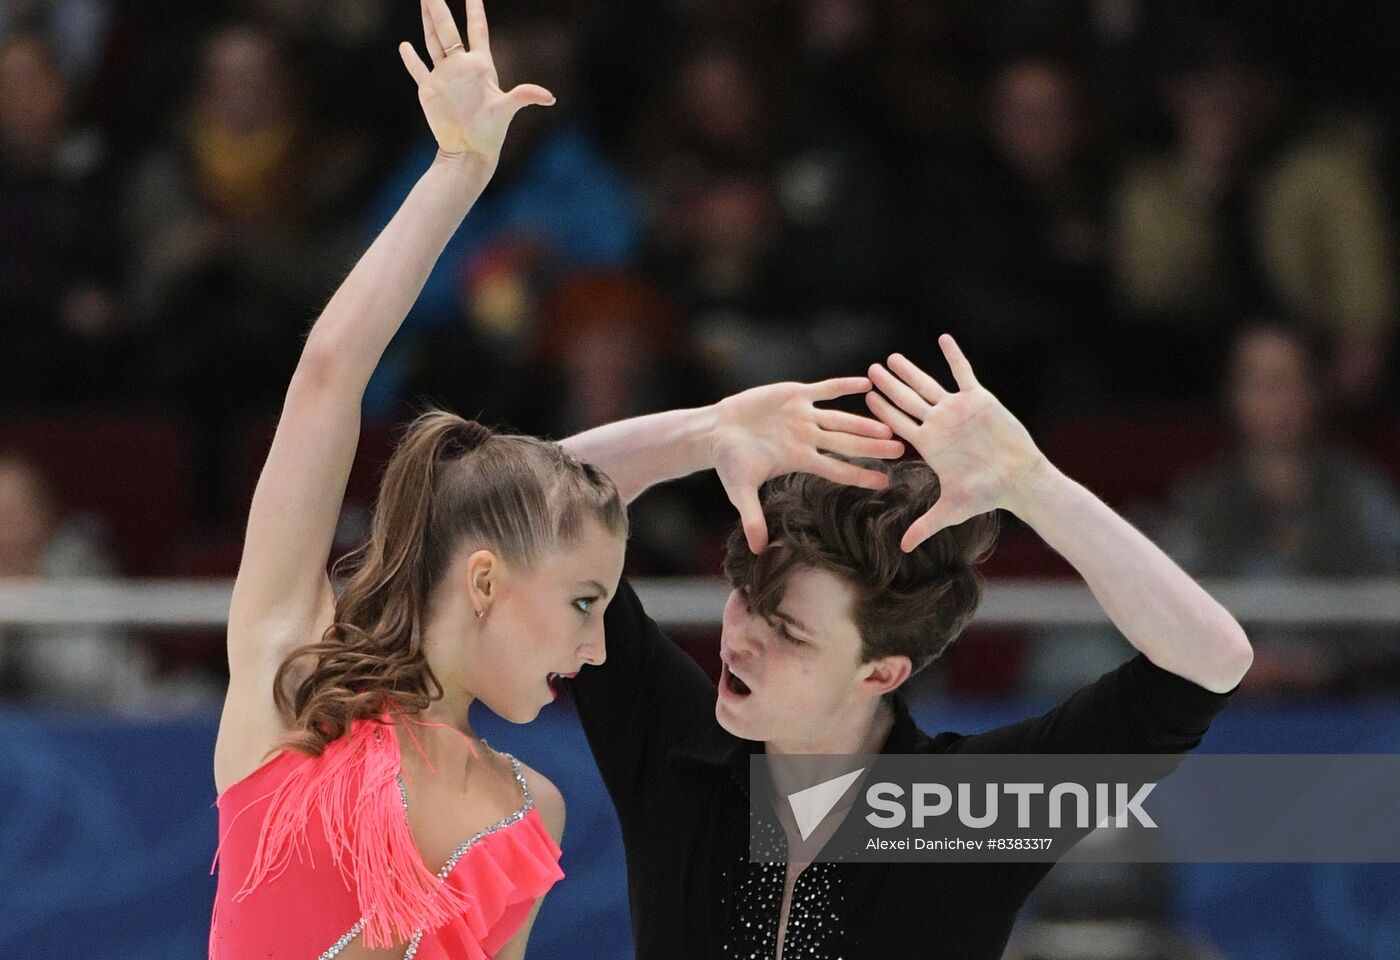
[1381,445]
[376,445]
[131,471]
[1128,460]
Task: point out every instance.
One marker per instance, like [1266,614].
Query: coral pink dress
[314,852]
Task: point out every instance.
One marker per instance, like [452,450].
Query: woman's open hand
[461,96]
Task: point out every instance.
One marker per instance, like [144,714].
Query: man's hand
[461,96]
[982,454]
[777,429]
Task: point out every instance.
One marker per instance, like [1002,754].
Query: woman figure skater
[358,815]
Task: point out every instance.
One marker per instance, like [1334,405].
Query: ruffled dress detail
[314,852]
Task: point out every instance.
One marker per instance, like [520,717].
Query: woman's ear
[484,571]
[886,674]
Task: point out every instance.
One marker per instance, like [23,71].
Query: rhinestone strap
[498,825]
[344,941]
[517,815]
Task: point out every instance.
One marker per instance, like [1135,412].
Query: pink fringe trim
[353,789]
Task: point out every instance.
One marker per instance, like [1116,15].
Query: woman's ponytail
[372,653]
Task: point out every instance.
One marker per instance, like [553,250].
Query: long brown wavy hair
[449,480]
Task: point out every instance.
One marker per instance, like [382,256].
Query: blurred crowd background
[1164,232]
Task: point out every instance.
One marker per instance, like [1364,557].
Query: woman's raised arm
[282,594]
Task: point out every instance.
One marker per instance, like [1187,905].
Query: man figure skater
[848,578]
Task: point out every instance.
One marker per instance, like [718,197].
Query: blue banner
[107,832]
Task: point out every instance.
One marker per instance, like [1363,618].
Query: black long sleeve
[646,697]
[1137,707]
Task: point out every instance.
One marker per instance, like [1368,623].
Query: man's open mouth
[732,682]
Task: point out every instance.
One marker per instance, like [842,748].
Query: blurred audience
[340,49]
[1255,208]
[238,228]
[601,347]
[61,337]
[1091,195]
[1010,243]
[93,667]
[79,29]
[610,346]
[706,155]
[555,203]
[768,219]
[1291,500]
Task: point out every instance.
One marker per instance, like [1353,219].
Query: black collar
[905,735]
[717,747]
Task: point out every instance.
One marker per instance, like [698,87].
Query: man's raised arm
[748,438]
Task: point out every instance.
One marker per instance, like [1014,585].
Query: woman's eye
[585,604]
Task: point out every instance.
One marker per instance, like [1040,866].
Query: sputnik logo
[811,805]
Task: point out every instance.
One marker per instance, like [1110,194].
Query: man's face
[787,679]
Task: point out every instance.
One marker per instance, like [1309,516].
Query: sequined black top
[679,783]
[816,916]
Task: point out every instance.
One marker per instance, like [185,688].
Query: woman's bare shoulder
[548,799]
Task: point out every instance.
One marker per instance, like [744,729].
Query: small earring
[480,614]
